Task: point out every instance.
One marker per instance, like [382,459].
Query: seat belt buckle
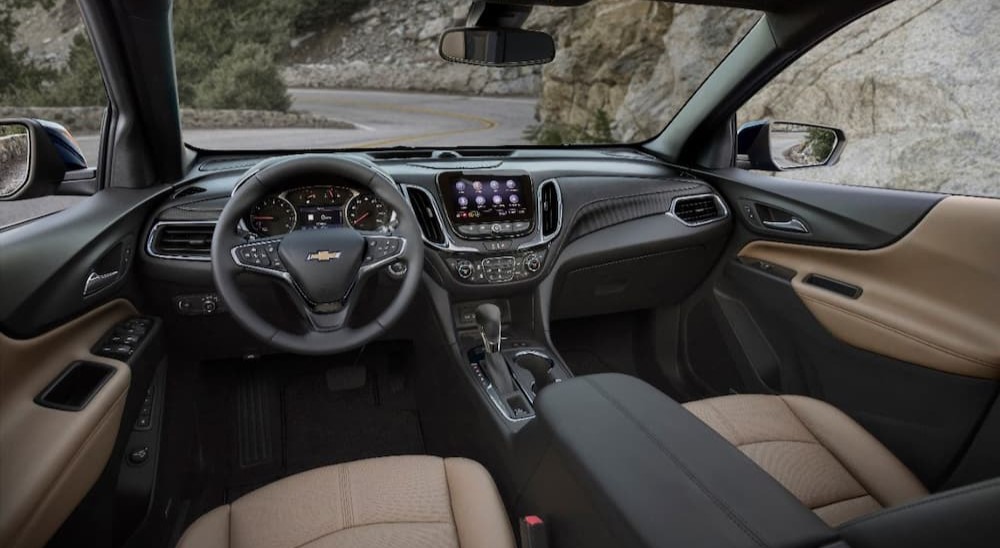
[533,533]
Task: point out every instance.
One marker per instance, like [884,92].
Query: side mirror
[777,146]
[34,157]
[497,47]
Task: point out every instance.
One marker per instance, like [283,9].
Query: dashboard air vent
[698,210]
[427,216]
[227,164]
[189,191]
[550,208]
[405,154]
[182,240]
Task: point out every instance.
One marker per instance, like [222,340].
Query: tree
[22,78]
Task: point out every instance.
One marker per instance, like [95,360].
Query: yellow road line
[485,123]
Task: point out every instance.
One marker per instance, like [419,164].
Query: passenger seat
[404,501]
[822,456]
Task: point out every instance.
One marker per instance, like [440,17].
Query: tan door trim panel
[932,298]
[49,458]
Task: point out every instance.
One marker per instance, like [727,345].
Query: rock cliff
[914,86]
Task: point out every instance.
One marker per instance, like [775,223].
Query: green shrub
[20,79]
[246,78]
[79,83]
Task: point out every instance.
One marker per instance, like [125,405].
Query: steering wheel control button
[381,248]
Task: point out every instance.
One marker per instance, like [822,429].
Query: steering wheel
[323,269]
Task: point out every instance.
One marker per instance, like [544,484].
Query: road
[383,119]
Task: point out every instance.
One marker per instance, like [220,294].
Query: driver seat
[406,501]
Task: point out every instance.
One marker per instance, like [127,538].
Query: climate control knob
[532,263]
[464,269]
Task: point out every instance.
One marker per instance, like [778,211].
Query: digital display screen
[320,216]
[472,198]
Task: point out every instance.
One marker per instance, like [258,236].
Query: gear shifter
[488,319]
[539,366]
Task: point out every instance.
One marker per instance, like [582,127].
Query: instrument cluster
[314,207]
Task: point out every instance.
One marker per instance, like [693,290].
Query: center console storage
[611,461]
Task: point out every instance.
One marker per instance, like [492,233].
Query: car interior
[635,345]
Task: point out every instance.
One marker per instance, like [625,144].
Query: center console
[495,225]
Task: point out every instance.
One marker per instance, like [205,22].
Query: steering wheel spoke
[328,317]
[380,250]
[261,256]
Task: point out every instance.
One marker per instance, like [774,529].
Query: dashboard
[317,206]
[596,232]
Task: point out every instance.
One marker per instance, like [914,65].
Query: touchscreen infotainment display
[472,198]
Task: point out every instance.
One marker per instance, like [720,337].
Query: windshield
[316,74]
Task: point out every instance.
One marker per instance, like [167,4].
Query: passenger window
[913,86]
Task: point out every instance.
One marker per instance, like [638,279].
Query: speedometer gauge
[367,212]
[272,216]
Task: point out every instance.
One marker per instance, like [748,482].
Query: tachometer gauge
[367,212]
[272,216]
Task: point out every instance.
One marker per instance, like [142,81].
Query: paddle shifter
[488,319]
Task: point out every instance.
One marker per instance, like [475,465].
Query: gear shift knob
[488,319]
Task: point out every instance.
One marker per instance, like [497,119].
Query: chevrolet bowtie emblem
[323,256]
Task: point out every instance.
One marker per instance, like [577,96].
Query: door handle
[96,282]
[791,225]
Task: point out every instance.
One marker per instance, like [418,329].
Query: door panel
[51,457]
[930,298]
[886,308]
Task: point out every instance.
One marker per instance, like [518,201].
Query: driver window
[48,72]
[913,86]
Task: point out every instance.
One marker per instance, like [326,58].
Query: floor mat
[326,427]
[284,415]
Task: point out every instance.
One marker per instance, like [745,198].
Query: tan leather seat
[824,458]
[410,501]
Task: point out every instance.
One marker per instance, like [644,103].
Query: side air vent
[181,240]
[427,215]
[189,191]
[698,210]
[549,208]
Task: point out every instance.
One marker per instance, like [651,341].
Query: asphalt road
[383,119]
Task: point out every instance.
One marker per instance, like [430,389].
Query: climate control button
[532,263]
[464,269]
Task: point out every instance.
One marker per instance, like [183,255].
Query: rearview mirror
[777,146]
[498,47]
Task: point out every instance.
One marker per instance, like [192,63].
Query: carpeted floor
[270,418]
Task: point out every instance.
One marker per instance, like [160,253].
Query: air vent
[227,164]
[550,208]
[480,152]
[182,240]
[189,191]
[405,154]
[426,215]
[698,210]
